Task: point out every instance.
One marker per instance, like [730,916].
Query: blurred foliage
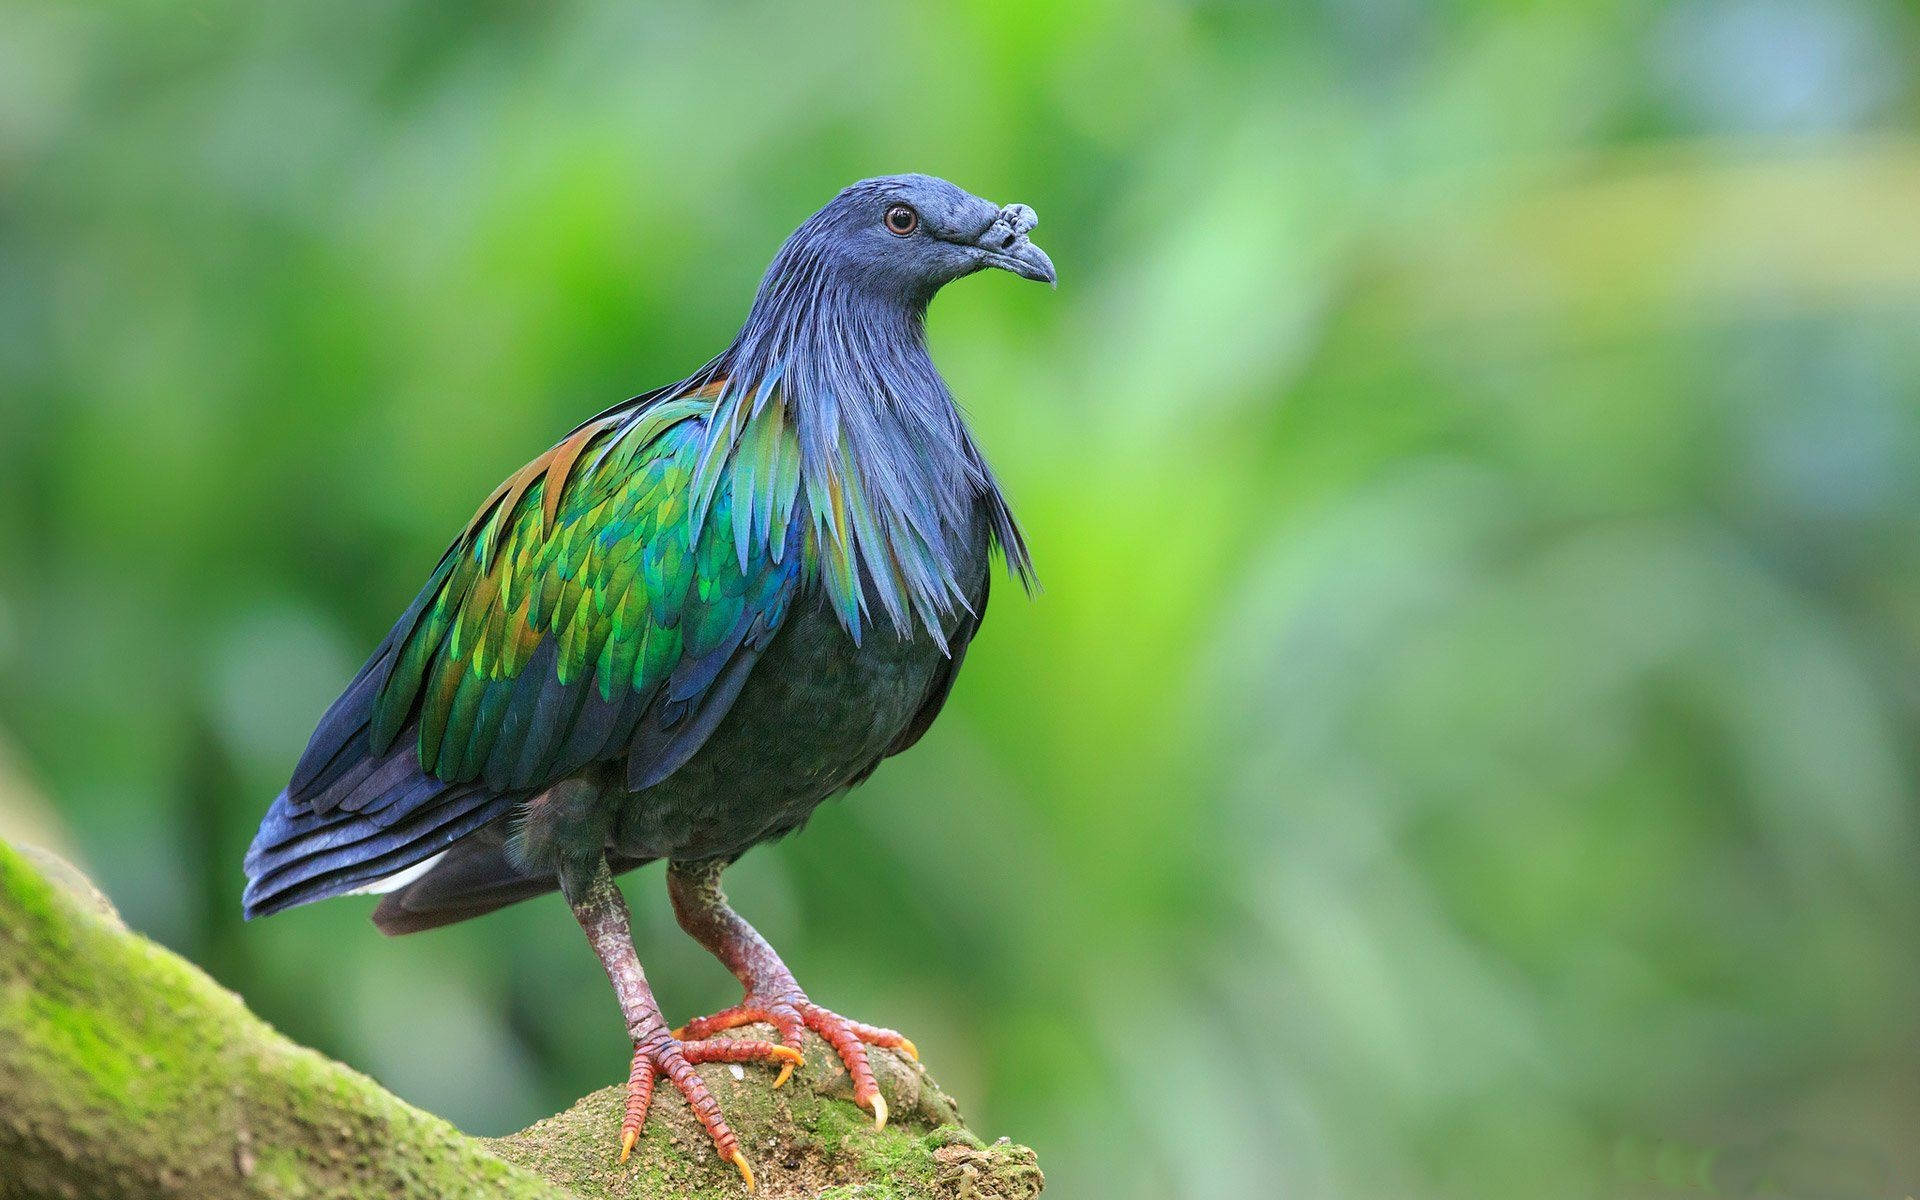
[1466,746]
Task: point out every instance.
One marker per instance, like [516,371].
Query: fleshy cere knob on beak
[1007,247]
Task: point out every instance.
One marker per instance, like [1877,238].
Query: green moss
[77,1038]
[28,894]
[278,1172]
[952,1135]
[125,1071]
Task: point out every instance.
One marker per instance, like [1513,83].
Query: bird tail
[387,819]
[359,819]
[472,879]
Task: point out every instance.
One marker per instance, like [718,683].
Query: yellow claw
[679,1035]
[627,1139]
[912,1051]
[789,1059]
[879,1111]
[746,1171]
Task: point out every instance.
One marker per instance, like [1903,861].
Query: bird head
[904,237]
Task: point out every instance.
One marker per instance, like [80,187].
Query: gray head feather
[837,335]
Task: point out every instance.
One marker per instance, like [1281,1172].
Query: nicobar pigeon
[676,632]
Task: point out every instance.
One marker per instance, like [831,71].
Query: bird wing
[589,610]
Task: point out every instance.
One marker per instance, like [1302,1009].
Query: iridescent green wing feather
[588,611]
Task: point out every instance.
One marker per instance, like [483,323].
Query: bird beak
[1005,245]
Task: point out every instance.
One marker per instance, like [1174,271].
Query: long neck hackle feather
[834,365]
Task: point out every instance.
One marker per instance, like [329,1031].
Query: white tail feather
[398,879]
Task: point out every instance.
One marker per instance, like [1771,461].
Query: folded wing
[591,612]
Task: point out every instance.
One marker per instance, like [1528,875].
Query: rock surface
[126,1072]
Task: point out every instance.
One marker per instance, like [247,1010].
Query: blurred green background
[1466,745]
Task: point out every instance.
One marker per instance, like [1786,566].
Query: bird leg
[602,913]
[773,997]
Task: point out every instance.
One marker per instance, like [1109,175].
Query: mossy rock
[126,1072]
[806,1139]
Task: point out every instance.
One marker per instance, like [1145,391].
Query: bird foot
[792,1014]
[675,1058]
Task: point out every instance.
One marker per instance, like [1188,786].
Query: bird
[677,631]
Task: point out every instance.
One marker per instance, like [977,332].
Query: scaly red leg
[602,912]
[773,997]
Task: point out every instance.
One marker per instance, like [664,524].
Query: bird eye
[902,220]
